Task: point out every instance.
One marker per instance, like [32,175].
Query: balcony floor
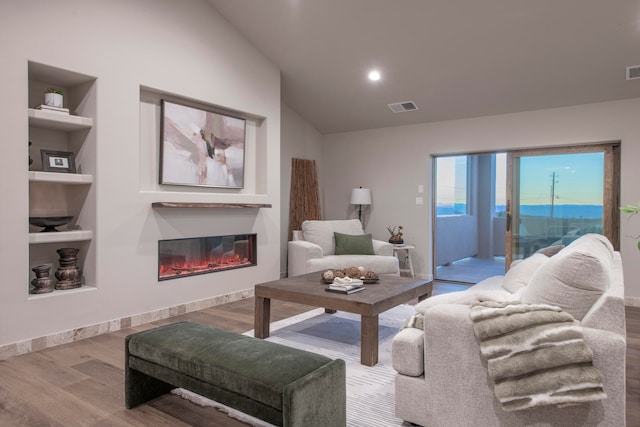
[471,270]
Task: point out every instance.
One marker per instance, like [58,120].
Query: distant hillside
[559,211]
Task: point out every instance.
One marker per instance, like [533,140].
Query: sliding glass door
[556,195]
[493,208]
[469,217]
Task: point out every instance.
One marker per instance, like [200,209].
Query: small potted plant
[632,210]
[53,97]
[396,237]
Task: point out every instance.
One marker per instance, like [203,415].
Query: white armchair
[313,249]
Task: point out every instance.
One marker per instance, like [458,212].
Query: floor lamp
[361,197]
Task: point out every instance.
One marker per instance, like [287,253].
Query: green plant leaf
[630,209]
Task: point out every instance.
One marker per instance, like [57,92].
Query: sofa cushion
[574,278]
[489,289]
[519,274]
[377,263]
[550,250]
[349,244]
[321,232]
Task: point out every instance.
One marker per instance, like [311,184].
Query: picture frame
[58,161]
[201,147]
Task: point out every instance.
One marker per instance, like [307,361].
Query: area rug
[370,389]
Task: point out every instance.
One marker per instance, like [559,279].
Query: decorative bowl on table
[49,222]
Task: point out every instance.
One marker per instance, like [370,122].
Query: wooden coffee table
[308,289]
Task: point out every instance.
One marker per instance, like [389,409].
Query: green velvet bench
[275,383]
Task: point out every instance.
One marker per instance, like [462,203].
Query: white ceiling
[453,58]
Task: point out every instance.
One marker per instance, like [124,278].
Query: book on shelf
[44,107]
[344,289]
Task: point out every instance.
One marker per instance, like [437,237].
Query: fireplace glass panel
[201,255]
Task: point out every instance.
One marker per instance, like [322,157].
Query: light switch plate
[420,188]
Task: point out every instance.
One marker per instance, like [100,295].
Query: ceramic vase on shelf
[68,274]
[53,99]
[42,284]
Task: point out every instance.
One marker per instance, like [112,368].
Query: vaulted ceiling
[453,58]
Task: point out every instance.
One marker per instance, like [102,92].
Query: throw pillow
[349,244]
[574,278]
[519,274]
[321,232]
[550,250]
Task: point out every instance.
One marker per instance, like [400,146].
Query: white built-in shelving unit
[63,194]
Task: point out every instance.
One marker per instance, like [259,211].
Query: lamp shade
[360,196]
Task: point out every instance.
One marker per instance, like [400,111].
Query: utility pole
[554,175]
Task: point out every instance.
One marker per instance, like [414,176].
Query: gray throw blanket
[536,355]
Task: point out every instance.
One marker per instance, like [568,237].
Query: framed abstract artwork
[200,147]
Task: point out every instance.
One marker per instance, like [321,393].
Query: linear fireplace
[201,255]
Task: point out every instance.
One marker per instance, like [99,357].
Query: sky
[578,179]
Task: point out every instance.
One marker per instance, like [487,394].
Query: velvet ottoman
[278,384]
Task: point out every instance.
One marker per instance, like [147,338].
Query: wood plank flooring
[82,383]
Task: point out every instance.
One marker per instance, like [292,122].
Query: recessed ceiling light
[374,75]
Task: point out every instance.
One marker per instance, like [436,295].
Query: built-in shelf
[60,236]
[57,293]
[209,205]
[54,192]
[58,121]
[62,178]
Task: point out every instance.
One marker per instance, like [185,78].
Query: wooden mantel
[209,205]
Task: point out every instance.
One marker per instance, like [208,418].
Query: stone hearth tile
[125,322]
[23,347]
[38,343]
[64,337]
[7,351]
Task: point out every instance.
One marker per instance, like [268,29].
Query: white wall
[183,48]
[393,161]
[299,140]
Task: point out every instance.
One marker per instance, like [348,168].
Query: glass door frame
[610,195]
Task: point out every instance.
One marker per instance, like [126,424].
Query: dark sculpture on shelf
[42,284]
[68,274]
[30,159]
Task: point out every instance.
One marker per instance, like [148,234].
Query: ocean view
[559,211]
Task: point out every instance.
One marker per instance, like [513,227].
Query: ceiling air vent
[403,107]
[633,72]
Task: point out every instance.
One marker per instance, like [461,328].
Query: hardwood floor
[82,383]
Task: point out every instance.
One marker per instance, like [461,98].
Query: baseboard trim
[632,301]
[77,334]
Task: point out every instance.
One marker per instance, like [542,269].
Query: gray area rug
[370,390]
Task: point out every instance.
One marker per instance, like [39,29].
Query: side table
[407,258]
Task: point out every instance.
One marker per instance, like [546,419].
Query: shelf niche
[62,194]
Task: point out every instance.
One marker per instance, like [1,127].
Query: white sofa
[442,379]
[313,249]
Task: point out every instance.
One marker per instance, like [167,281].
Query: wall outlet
[419,201]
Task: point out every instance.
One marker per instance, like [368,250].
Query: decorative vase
[42,284]
[68,274]
[53,100]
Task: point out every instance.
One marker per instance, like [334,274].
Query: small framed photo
[58,161]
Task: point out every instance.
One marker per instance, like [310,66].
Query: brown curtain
[304,201]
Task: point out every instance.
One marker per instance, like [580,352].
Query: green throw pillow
[347,244]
